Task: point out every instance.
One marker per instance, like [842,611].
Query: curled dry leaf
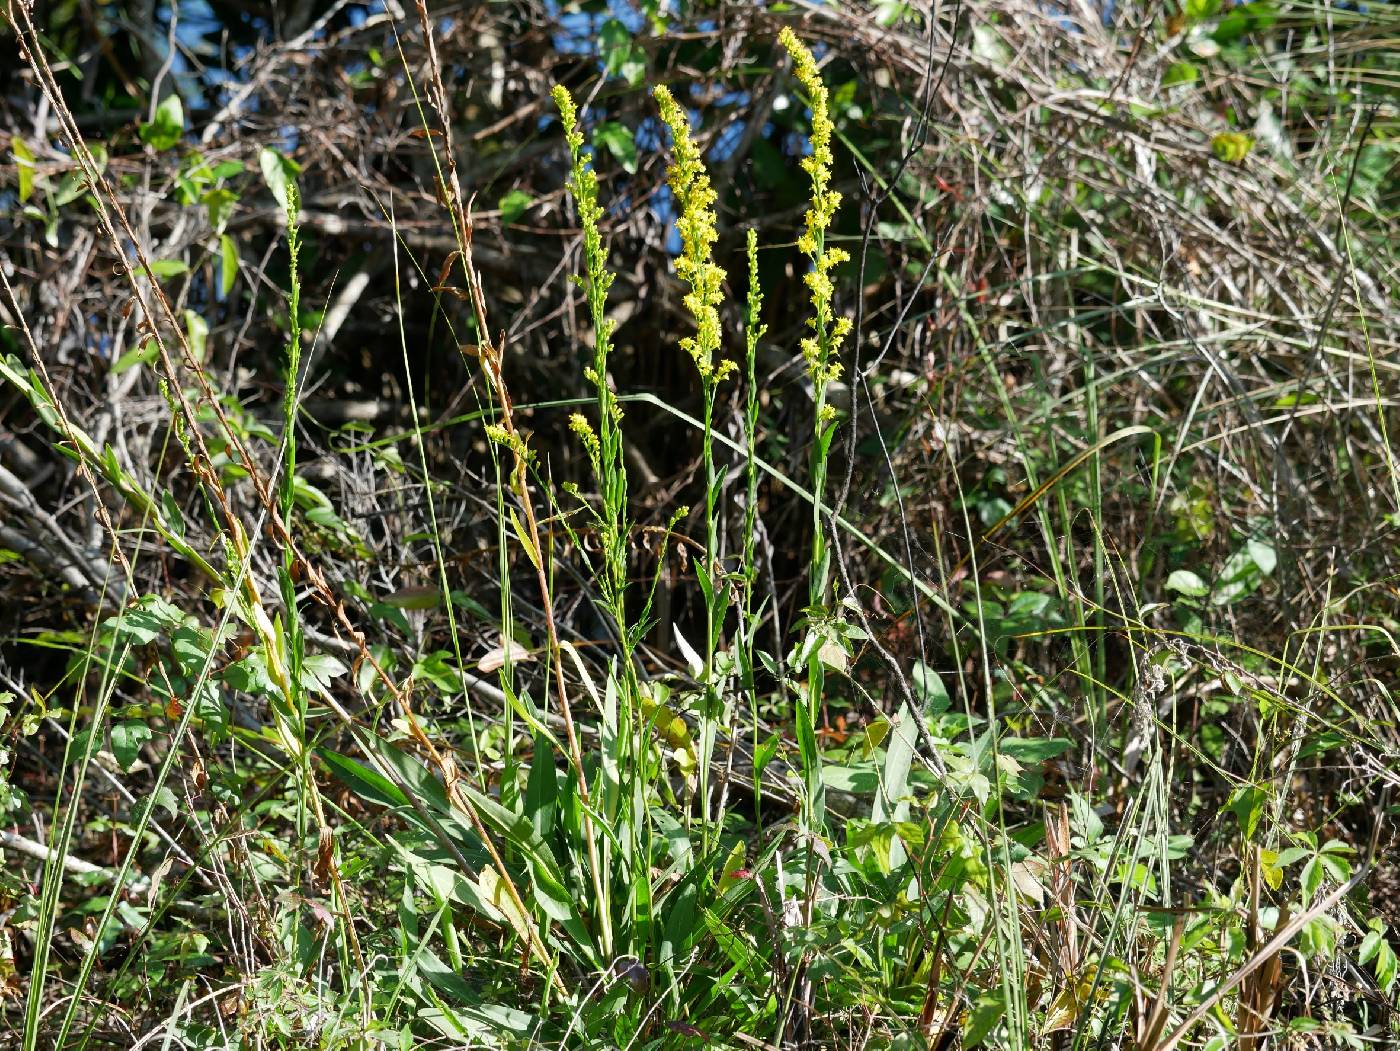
[495,659]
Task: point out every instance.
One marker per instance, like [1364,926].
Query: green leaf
[24,160]
[196,332]
[1264,556]
[438,668]
[415,597]
[857,780]
[190,646]
[620,56]
[1187,583]
[929,689]
[1180,73]
[1313,875]
[228,263]
[318,670]
[249,675]
[513,205]
[985,1014]
[1370,945]
[367,784]
[1244,19]
[279,173]
[219,203]
[164,798]
[164,132]
[149,619]
[1028,750]
[1271,869]
[142,355]
[614,45]
[523,535]
[618,141]
[1375,947]
[164,268]
[127,741]
[1247,804]
[1243,572]
[228,169]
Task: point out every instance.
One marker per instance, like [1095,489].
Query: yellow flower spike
[510,440]
[696,223]
[819,350]
[578,423]
[568,113]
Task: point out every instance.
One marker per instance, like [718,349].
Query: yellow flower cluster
[578,423]
[604,449]
[821,347]
[825,200]
[695,220]
[585,190]
[510,439]
[568,113]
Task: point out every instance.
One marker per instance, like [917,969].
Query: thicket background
[1114,474]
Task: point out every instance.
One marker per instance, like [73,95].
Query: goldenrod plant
[748,616]
[605,446]
[695,219]
[820,350]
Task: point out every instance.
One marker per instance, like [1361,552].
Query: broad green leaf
[1271,869]
[127,741]
[228,263]
[317,671]
[513,205]
[621,57]
[367,784]
[732,874]
[614,45]
[1247,804]
[165,130]
[24,159]
[1179,73]
[197,333]
[983,1017]
[1034,750]
[279,173]
[142,355]
[249,675]
[857,780]
[618,141]
[427,596]
[929,689]
[439,668]
[164,268]
[1187,583]
[219,203]
[1244,571]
